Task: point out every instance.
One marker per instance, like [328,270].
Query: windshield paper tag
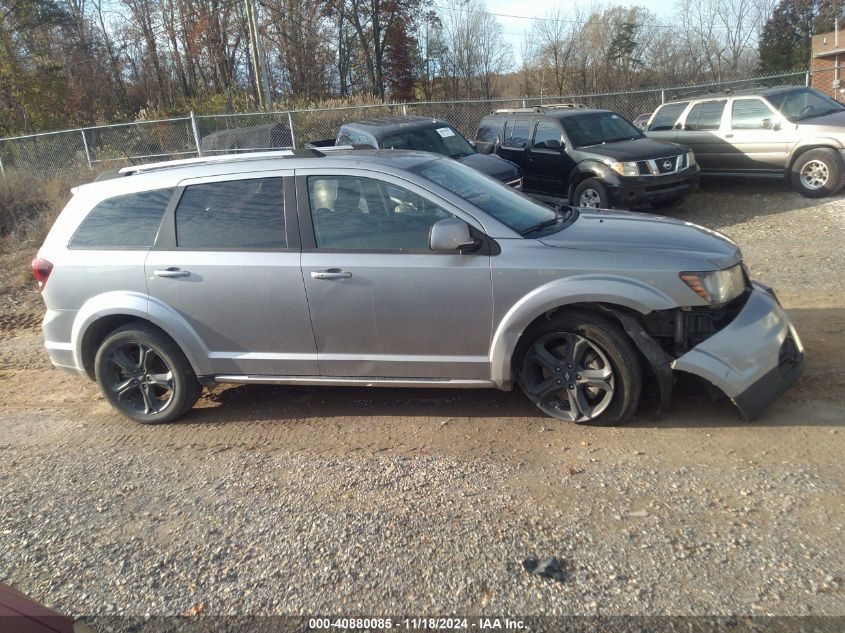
[445,132]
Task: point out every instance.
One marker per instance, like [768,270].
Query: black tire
[818,173]
[153,386]
[578,341]
[591,193]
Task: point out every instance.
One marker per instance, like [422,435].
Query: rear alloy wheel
[581,367]
[818,173]
[591,194]
[144,375]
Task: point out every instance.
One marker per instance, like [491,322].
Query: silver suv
[791,131]
[393,268]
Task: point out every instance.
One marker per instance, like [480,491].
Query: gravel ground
[270,500]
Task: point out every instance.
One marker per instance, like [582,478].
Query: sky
[516,28]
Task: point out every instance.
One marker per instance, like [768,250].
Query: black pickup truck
[427,135]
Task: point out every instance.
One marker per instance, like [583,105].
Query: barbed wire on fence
[101,147]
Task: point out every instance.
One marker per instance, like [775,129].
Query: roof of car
[171,173]
[393,123]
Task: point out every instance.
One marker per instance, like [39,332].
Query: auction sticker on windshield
[445,132]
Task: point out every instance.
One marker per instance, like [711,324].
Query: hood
[829,123]
[640,233]
[492,165]
[638,149]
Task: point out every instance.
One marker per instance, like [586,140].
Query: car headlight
[691,159]
[716,286]
[625,169]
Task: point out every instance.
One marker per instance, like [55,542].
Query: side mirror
[553,144]
[471,142]
[767,123]
[450,234]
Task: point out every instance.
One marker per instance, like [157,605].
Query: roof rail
[540,108]
[564,106]
[693,94]
[515,110]
[319,150]
[204,160]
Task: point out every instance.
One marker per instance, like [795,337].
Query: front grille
[666,165]
[662,166]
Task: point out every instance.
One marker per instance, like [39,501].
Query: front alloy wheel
[818,173]
[814,174]
[591,194]
[581,367]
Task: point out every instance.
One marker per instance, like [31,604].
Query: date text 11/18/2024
[417,624]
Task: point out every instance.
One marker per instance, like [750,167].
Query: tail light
[41,269]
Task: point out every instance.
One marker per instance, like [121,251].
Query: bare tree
[475,54]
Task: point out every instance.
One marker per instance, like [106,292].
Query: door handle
[729,135]
[171,272]
[331,273]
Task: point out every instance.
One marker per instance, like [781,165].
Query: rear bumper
[754,359]
[57,327]
[648,189]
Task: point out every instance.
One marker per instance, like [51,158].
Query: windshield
[443,139]
[516,210]
[803,103]
[598,127]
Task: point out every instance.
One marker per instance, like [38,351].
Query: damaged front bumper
[753,359]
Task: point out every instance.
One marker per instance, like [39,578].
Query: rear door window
[546,131]
[123,222]
[705,116]
[516,134]
[232,215]
[666,116]
[748,114]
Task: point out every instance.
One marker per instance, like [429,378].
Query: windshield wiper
[560,215]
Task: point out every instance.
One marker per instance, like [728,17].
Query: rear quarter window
[488,131]
[130,221]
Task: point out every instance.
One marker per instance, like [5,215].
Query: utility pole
[262,85]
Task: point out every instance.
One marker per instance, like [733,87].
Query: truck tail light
[41,269]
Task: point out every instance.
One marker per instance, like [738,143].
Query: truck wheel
[144,375]
[580,367]
[591,194]
[818,173]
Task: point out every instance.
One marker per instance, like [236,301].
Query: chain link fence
[111,146]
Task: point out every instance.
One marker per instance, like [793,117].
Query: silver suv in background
[791,131]
[393,268]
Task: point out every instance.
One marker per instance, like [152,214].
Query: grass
[28,207]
